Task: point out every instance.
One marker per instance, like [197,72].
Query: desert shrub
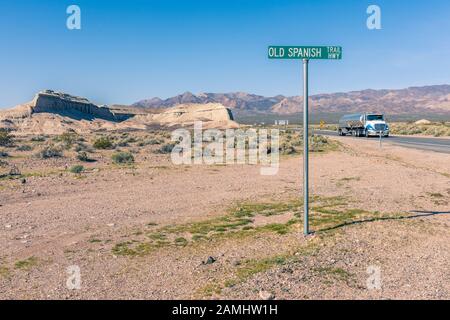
[287,149]
[167,148]
[24,147]
[80,146]
[76,169]
[6,139]
[82,156]
[38,139]
[67,139]
[126,141]
[49,152]
[149,142]
[122,157]
[122,143]
[4,154]
[318,143]
[290,139]
[103,143]
[297,141]
[165,135]
[14,171]
[154,141]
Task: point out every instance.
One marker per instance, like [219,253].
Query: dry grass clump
[103,143]
[50,151]
[76,169]
[166,148]
[292,143]
[67,139]
[122,157]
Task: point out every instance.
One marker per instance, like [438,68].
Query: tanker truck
[363,125]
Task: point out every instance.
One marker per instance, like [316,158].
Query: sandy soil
[59,219]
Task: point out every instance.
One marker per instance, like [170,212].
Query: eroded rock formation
[57,102]
[49,101]
[53,112]
[211,114]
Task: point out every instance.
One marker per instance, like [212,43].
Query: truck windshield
[372,117]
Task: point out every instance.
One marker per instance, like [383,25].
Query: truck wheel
[366,133]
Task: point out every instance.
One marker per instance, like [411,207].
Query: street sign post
[305,53]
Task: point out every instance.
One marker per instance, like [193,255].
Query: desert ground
[140,227]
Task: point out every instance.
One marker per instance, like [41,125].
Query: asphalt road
[429,144]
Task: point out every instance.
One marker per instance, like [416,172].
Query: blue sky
[135,49]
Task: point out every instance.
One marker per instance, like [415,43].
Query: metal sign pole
[305,53]
[305,149]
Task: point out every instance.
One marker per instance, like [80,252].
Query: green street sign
[305,52]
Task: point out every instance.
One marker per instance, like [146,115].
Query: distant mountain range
[419,100]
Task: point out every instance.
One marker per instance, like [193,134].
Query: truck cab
[374,124]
